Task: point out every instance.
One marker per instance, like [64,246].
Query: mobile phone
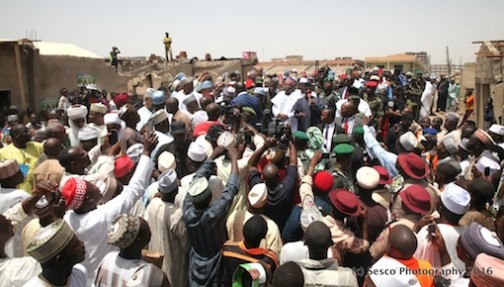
[113,138]
[487,171]
[325,155]
[150,127]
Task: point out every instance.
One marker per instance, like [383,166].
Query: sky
[316,29]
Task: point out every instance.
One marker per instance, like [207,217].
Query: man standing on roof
[167,41]
[113,57]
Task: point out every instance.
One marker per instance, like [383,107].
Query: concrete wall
[58,72]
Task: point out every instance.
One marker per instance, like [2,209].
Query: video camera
[277,130]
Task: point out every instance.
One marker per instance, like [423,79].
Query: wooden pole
[19,69]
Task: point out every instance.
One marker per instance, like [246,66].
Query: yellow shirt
[27,156]
[167,42]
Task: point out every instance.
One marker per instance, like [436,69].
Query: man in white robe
[76,120]
[284,101]
[427,99]
[169,233]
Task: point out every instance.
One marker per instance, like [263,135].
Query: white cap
[201,140]
[88,133]
[367,177]
[91,87]
[112,118]
[135,151]
[226,139]
[258,195]
[158,117]
[303,80]
[196,152]
[166,160]
[198,188]
[199,117]
[98,108]
[456,199]
[497,129]
[408,141]
[168,181]
[374,78]
[396,275]
[485,162]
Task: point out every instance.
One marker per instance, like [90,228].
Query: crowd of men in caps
[255,180]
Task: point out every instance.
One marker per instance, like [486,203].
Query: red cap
[74,191]
[416,199]
[384,176]
[123,166]
[249,84]
[323,181]
[202,128]
[121,99]
[371,84]
[413,165]
[343,76]
[345,202]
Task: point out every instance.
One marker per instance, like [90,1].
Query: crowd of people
[257,180]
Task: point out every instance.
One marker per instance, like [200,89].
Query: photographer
[280,192]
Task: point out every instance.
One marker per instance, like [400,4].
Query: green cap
[342,138]
[300,135]
[358,131]
[343,149]
[327,79]
[249,110]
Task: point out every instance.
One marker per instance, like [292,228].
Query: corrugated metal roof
[63,49]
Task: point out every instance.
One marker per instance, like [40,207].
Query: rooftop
[56,49]
[392,58]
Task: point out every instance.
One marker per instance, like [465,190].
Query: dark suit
[357,122]
[337,130]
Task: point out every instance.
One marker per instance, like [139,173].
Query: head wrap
[77,112]
[88,133]
[112,118]
[316,140]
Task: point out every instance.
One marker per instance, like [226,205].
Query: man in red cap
[414,170]
[90,221]
[415,202]
[124,168]
[346,205]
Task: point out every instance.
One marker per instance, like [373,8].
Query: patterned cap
[49,241]
[124,230]
[8,168]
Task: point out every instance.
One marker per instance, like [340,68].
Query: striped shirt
[207,231]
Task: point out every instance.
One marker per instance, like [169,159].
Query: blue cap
[180,76]
[430,131]
[158,98]
[206,85]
